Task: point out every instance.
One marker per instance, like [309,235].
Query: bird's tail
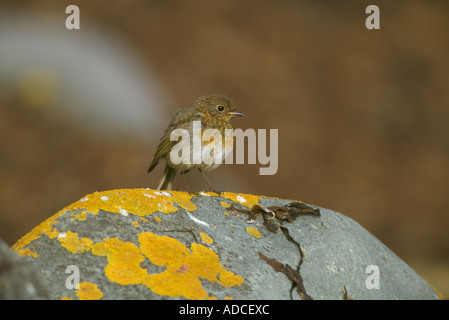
[167,178]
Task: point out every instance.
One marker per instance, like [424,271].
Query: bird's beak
[236,113]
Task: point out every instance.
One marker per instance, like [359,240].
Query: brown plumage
[215,112]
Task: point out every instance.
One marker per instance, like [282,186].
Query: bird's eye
[220,108]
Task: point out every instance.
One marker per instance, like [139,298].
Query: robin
[212,112]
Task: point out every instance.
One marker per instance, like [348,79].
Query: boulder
[149,244]
[19,279]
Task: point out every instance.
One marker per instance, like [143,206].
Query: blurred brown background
[363,116]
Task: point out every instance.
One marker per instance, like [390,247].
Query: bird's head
[218,106]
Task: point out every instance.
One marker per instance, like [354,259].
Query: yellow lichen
[183,268]
[183,200]
[27,252]
[225,204]
[70,241]
[135,224]
[156,218]
[254,232]
[79,216]
[88,291]
[139,202]
[248,200]
[124,260]
[206,238]
[36,233]
[53,233]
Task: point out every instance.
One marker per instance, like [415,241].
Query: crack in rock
[273,217]
[289,212]
[292,274]
[345,294]
[297,284]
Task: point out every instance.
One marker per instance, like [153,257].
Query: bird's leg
[183,174]
[208,182]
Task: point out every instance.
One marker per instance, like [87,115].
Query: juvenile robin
[214,112]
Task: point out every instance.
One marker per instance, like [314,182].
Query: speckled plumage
[215,112]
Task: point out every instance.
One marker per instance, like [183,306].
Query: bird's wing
[165,144]
[163,149]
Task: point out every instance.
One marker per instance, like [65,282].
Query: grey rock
[18,278]
[199,249]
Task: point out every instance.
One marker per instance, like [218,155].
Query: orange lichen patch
[66,298]
[225,204]
[254,232]
[70,241]
[161,249]
[139,202]
[79,216]
[206,238]
[248,200]
[157,219]
[135,224]
[36,233]
[53,233]
[88,291]
[124,260]
[184,268]
[183,200]
[143,219]
[27,252]
[440,295]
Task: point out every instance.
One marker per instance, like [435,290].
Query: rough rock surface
[19,280]
[147,244]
